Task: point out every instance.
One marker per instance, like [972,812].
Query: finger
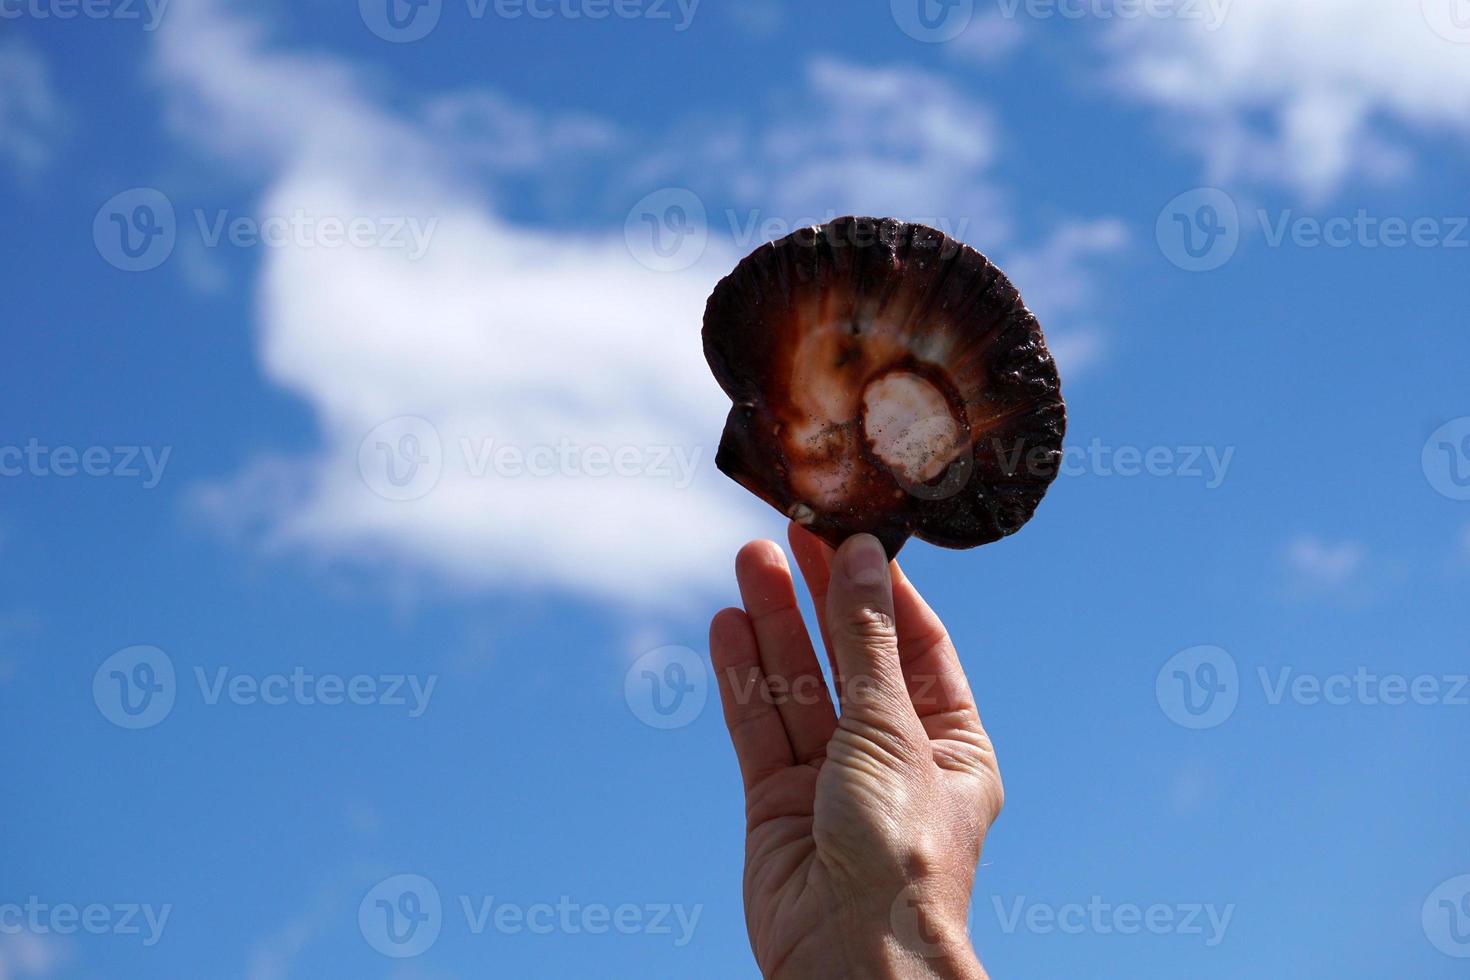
[931,665]
[860,618]
[755,727]
[786,656]
[814,558]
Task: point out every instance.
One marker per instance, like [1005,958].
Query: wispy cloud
[17,631]
[552,346]
[989,40]
[486,127]
[30,111]
[558,344]
[907,143]
[757,18]
[28,956]
[1317,567]
[1292,92]
[1059,280]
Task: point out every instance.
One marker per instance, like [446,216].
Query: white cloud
[1191,788]
[907,143]
[1309,94]
[17,632]
[505,335]
[27,956]
[881,141]
[757,18]
[989,40]
[30,113]
[1059,286]
[271,958]
[489,128]
[1317,567]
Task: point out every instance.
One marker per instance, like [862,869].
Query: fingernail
[864,561]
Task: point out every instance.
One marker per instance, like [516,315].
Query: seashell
[886,379]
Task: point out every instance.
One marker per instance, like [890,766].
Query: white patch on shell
[910,426]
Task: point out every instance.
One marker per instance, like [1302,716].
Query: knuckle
[869,625]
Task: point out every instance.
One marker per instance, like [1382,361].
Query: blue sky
[358,507]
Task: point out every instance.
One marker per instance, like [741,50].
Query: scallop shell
[886,379]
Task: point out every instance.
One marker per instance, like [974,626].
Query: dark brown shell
[804,328]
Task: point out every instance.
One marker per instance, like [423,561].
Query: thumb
[864,641]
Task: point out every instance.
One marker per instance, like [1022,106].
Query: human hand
[862,830]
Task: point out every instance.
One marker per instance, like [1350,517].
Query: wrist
[941,953]
[916,940]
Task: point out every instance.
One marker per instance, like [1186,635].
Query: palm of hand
[867,825]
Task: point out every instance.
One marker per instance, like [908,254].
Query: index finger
[931,664]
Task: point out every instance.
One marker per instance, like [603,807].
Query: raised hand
[863,828]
